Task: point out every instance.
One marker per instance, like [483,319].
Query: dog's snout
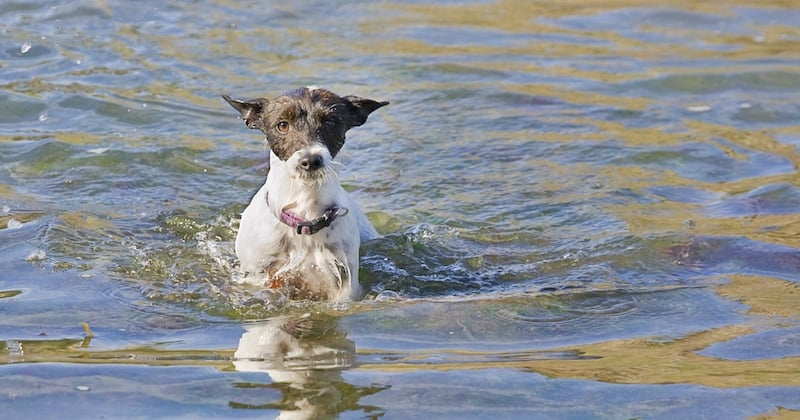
[311,162]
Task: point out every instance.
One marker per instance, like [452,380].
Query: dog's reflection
[304,356]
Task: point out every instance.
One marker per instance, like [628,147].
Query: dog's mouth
[309,175]
[318,176]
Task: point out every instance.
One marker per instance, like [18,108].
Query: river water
[587,210]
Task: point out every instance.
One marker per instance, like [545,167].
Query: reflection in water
[304,357]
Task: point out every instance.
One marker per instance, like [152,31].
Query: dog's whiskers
[330,174]
[325,175]
[339,165]
[341,168]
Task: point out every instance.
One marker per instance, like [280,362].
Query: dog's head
[305,127]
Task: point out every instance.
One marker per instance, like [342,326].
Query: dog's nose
[311,162]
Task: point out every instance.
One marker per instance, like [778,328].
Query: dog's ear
[250,110]
[360,108]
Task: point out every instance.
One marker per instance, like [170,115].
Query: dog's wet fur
[301,231]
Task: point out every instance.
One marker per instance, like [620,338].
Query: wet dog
[302,230]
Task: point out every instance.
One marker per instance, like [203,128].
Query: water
[587,210]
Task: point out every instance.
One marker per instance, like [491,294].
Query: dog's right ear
[250,110]
[360,108]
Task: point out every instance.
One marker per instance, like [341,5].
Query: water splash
[37,255]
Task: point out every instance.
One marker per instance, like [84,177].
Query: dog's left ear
[250,110]
[360,108]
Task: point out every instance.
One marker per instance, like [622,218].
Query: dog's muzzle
[311,162]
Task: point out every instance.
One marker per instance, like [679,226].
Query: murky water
[586,210]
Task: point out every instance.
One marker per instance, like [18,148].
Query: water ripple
[528,148]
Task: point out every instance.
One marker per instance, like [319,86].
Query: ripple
[558,311]
[29,51]
[511,162]
[773,199]
[444,358]
[20,109]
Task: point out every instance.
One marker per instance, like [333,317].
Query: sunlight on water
[577,201]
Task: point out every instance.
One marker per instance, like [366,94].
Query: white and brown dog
[302,230]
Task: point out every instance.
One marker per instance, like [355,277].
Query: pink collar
[309,227]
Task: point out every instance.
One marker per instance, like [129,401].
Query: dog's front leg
[259,237]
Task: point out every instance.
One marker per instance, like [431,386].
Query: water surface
[587,211]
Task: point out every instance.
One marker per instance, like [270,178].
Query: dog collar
[309,227]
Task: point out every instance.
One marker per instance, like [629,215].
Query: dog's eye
[283,126]
[331,122]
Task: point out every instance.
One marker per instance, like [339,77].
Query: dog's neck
[309,227]
[305,205]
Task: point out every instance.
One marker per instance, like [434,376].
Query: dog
[302,230]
